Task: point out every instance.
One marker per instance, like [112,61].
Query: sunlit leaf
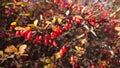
[20,28]
[19,3]
[27,14]
[10,49]
[22,48]
[83,41]
[59,20]
[26,3]
[48,66]
[41,17]
[117,28]
[48,22]
[13,23]
[76,47]
[57,55]
[31,25]
[36,22]
[47,60]
[54,20]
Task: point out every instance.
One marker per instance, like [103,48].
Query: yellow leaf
[41,17]
[32,25]
[22,48]
[54,20]
[1,53]
[26,3]
[117,28]
[76,47]
[59,20]
[54,28]
[19,3]
[27,14]
[48,22]
[20,28]
[36,22]
[57,55]
[79,54]
[48,60]
[10,49]
[83,41]
[13,23]
[47,66]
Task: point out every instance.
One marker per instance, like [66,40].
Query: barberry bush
[60,34]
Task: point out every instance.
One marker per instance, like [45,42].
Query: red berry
[72,59]
[47,36]
[102,19]
[40,38]
[17,33]
[54,43]
[25,32]
[29,36]
[88,12]
[92,23]
[67,5]
[114,23]
[78,20]
[37,37]
[64,49]
[46,41]
[3,35]
[35,41]
[66,26]
[101,65]
[27,0]
[76,65]
[105,13]
[53,35]
[92,66]
[56,1]
[50,41]
[74,6]
[61,52]
[12,27]
[59,30]
[79,8]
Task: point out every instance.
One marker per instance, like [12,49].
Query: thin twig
[118,10]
